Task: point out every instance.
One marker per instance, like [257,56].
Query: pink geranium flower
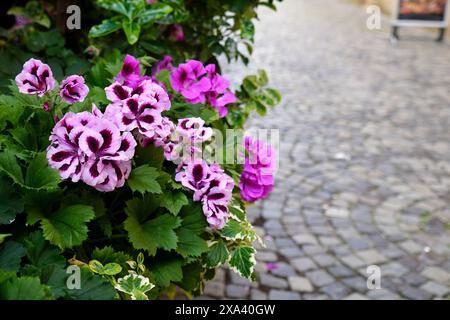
[188,80]
[86,146]
[211,186]
[129,74]
[36,78]
[73,89]
[257,181]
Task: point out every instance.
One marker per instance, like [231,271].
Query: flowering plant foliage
[118,173]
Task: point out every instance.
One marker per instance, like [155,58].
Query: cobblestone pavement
[364,173]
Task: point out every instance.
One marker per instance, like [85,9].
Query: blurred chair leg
[441,34]
[394,33]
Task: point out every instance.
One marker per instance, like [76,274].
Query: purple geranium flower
[86,146]
[257,181]
[218,95]
[211,186]
[36,78]
[129,74]
[177,33]
[188,79]
[73,89]
[164,64]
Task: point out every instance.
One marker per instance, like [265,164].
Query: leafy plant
[150,234]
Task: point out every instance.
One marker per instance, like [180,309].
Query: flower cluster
[200,84]
[36,78]
[211,186]
[97,148]
[137,103]
[257,179]
[88,147]
[187,138]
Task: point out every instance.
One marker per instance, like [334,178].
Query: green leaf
[193,218]
[261,108]
[153,234]
[167,271]
[262,78]
[173,201]
[143,179]
[10,204]
[40,175]
[233,230]
[154,12]
[150,155]
[132,30]
[217,255]
[135,285]
[10,166]
[190,244]
[41,253]
[106,27]
[114,5]
[242,261]
[192,275]
[3,236]
[93,287]
[11,255]
[67,226]
[274,94]
[23,288]
[95,266]
[112,269]
[108,255]
[247,30]
[141,208]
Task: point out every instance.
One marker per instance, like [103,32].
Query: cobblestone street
[364,174]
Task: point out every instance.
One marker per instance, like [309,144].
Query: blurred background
[364,177]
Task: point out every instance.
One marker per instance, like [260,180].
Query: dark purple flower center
[120,92]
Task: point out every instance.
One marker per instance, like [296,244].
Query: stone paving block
[382,294]
[256,294]
[330,241]
[272,281]
[283,270]
[337,212]
[291,252]
[415,293]
[340,271]
[319,277]
[435,289]
[300,284]
[324,260]
[266,256]
[357,283]
[237,291]
[305,239]
[303,264]
[214,289]
[353,261]
[414,279]
[336,291]
[437,274]
[355,296]
[411,247]
[371,256]
[283,295]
